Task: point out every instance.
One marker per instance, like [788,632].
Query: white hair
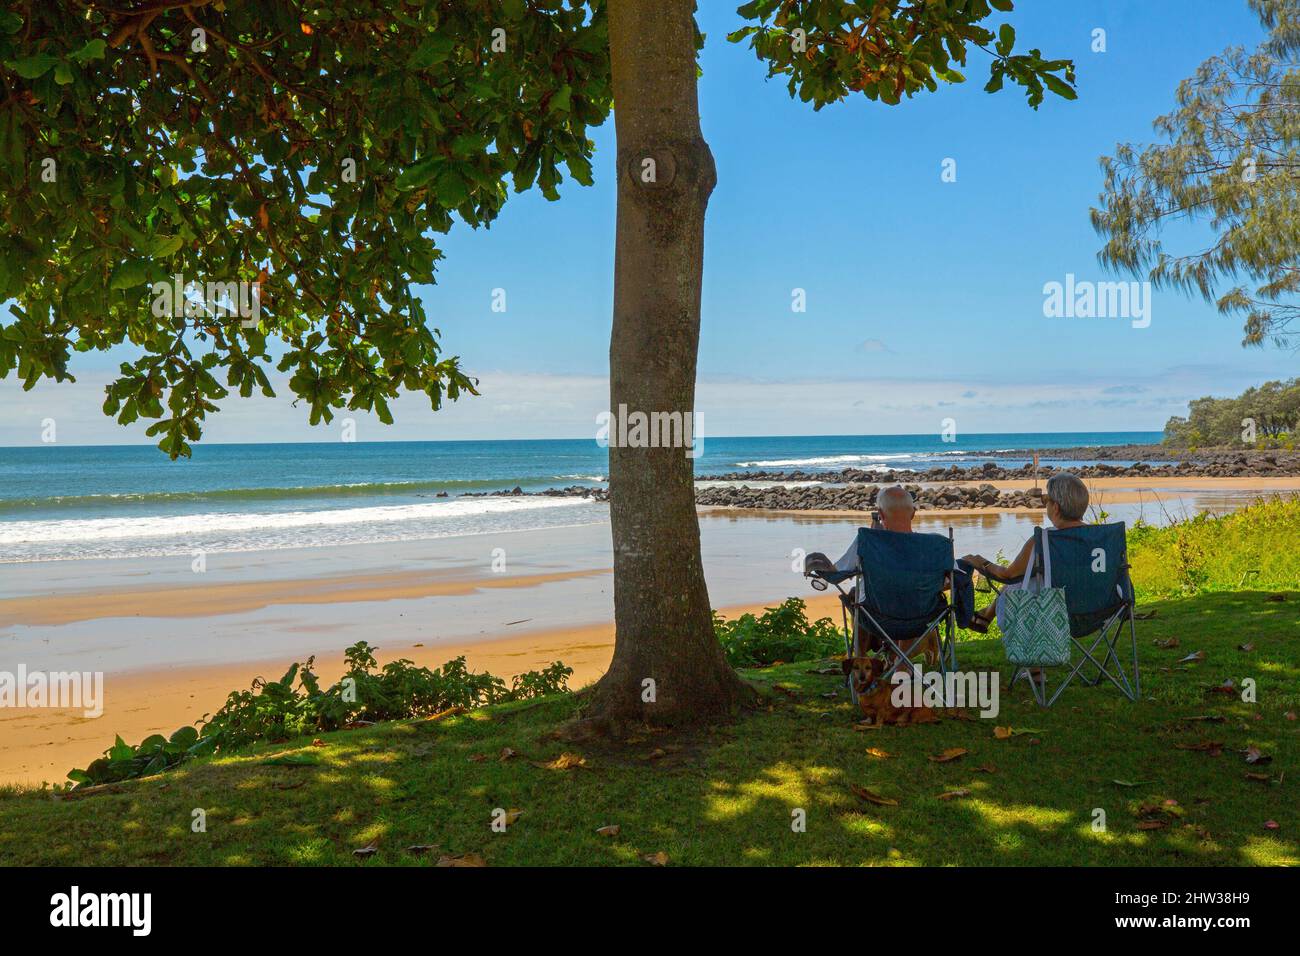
[896,498]
[1069,493]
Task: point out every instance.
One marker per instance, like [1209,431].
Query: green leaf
[1060,87]
[129,274]
[562,101]
[1006,39]
[418,174]
[450,189]
[431,52]
[93,50]
[164,247]
[31,67]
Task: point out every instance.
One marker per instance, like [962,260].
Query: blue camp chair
[898,599]
[1090,563]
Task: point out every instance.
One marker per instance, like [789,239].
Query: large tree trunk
[668,667]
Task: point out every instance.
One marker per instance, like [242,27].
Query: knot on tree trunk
[665,171]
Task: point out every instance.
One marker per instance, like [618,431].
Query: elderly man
[895,510]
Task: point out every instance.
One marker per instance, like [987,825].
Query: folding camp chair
[897,599]
[1090,563]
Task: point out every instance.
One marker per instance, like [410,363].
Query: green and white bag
[1034,619]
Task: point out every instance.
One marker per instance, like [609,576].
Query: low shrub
[780,633]
[296,704]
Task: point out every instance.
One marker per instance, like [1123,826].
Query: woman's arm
[1015,569]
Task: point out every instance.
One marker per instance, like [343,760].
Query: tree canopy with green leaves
[315,151]
[1232,164]
[1261,416]
[320,148]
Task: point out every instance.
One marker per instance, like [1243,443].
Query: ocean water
[60,502]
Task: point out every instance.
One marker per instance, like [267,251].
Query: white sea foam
[244,531]
[844,460]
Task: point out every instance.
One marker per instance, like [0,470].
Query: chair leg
[1137,670]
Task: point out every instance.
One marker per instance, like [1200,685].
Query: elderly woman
[1067,500]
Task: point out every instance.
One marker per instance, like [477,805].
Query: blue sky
[924,298]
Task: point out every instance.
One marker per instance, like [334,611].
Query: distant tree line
[1264,416]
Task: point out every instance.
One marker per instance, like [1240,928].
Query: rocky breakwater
[861,497]
[1236,465]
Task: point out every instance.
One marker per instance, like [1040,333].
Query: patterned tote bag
[1036,622]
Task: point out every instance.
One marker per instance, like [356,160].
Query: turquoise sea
[62,502]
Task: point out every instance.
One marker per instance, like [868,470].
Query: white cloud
[514,405]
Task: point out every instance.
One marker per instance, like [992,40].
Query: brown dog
[875,695]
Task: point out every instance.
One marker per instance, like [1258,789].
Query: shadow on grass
[735,794]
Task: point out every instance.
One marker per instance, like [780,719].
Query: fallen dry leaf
[421,847]
[1247,647]
[318,742]
[1227,687]
[565,761]
[449,712]
[1128,783]
[954,794]
[1006,733]
[655,754]
[949,755]
[507,753]
[1255,756]
[612,830]
[1212,747]
[871,797]
[1193,658]
[877,752]
[464,859]
[1168,643]
[1258,777]
[477,758]
[658,859]
[370,849]
[1152,824]
[986,768]
[1271,825]
[1289,715]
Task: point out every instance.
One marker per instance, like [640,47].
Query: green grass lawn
[726,796]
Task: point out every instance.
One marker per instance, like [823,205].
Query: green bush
[1251,549]
[780,634]
[296,705]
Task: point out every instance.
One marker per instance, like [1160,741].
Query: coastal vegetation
[1264,416]
[297,704]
